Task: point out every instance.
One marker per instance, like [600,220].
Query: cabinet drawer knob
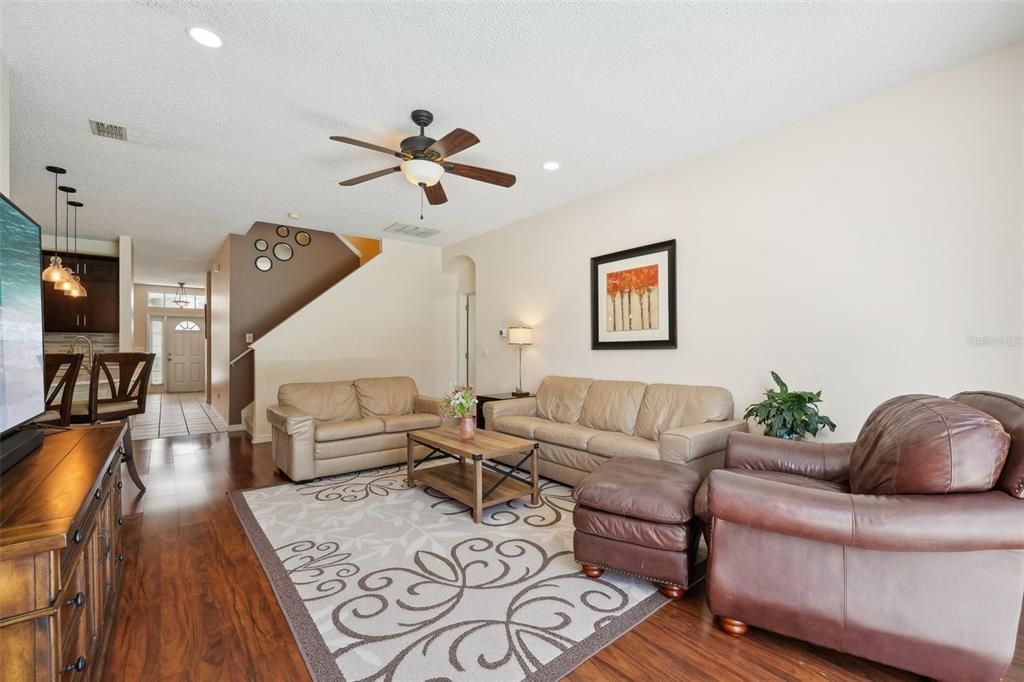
[120,520]
[120,484]
[110,470]
[98,494]
[78,665]
[120,557]
[77,537]
[120,450]
[78,600]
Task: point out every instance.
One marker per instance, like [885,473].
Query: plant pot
[467,428]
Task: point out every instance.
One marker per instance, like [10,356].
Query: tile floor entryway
[176,414]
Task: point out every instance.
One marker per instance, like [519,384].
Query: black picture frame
[669,247]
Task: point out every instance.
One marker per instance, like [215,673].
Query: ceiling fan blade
[369,176]
[366,145]
[435,194]
[482,174]
[453,143]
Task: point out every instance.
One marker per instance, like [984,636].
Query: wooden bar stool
[127,395]
[60,386]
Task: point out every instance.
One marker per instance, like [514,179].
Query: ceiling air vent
[411,230]
[114,132]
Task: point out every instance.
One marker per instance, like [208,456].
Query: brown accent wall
[260,301]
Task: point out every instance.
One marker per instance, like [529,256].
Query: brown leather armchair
[905,547]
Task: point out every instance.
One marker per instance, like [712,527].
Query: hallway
[176,414]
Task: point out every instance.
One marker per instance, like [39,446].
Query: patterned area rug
[382,582]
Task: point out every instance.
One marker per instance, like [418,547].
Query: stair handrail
[241,355]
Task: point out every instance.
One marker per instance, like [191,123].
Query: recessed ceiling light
[205,37]
[550,165]
[293,215]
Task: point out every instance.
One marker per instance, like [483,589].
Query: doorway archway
[464,269]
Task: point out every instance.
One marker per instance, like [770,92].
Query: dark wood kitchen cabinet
[97,312]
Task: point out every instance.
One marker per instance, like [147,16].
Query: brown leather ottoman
[635,516]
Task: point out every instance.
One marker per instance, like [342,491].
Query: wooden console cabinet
[61,557]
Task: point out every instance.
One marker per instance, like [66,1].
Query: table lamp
[520,336]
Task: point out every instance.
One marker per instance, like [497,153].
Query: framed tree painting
[633,298]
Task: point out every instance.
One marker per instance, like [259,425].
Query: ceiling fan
[425,160]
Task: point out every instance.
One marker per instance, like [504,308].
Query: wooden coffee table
[472,478]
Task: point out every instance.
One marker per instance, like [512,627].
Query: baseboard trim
[236,427]
[256,440]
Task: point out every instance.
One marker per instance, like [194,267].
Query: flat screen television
[21,332]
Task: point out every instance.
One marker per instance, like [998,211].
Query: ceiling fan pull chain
[423,190]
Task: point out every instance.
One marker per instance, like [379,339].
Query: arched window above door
[186,326]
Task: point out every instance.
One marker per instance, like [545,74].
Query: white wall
[5,125]
[858,251]
[393,316]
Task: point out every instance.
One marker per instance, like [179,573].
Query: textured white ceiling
[219,139]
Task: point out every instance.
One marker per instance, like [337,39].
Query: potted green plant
[789,414]
[460,404]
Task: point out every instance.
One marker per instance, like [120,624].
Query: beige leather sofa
[333,427]
[582,423]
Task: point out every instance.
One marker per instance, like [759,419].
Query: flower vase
[467,428]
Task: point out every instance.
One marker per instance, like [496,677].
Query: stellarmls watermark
[995,341]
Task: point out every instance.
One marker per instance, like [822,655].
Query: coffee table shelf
[456,481]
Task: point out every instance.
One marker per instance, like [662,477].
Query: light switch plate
[248,338]
[501,333]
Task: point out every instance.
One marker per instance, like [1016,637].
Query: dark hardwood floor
[196,604]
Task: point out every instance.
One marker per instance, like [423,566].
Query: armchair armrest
[687,443]
[823,461]
[896,523]
[427,404]
[517,407]
[289,419]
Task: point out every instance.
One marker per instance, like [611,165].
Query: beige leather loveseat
[333,427]
[581,423]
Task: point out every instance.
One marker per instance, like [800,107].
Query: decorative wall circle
[282,230]
[261,245]
[302,238]
[282,251]
[263,263]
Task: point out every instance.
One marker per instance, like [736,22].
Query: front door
[186,355]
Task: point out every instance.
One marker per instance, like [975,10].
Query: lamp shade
[520,336]
[422,172]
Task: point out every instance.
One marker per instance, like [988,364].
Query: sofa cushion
[560,399]
[324,400]
[386,396]
[667,406]
[517,425]
[569,435]
[613,406]
[395,423]
[920,444]
[340,429]
[1009,410]
[621,445]
[641,488]
[359,446]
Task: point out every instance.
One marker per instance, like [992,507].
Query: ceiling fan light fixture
[422,172]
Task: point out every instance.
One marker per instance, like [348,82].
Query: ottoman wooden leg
[732,627]
[671,591]
[592,571]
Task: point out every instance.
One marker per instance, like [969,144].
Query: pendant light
[79,290]
[180,298]
[54,272]
[66,283]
